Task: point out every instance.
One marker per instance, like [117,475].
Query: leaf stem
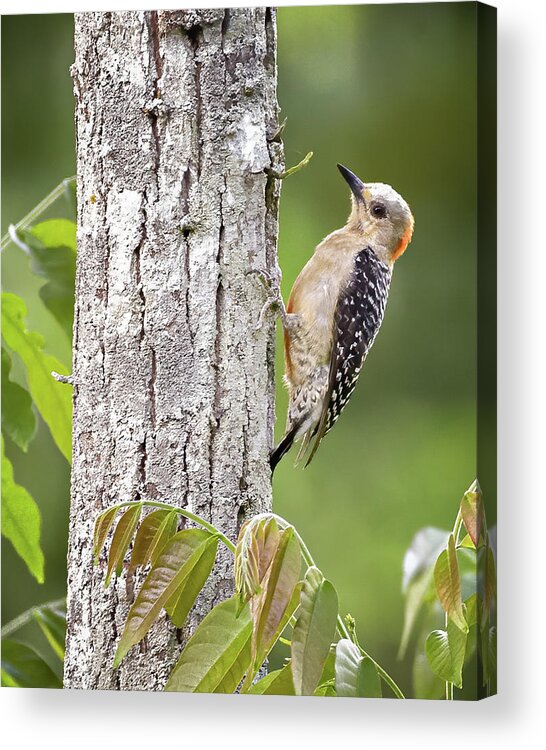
[27,616]
[39,209]
[457,526]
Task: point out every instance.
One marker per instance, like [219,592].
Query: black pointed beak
[354,182]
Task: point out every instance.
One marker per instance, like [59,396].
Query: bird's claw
[267,279]
[271,284]
[269,304]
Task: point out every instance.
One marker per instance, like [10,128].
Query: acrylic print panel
[329,533]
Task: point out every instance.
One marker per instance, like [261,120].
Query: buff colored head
[380,215]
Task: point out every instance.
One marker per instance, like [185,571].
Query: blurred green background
[37,153]
[389,91]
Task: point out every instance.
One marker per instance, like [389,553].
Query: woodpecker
[335,310]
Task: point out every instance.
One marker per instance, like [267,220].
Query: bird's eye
[379,211]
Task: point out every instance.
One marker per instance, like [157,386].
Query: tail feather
[303,447]
[283,447]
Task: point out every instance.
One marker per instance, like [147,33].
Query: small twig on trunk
[62,378]
[292,170]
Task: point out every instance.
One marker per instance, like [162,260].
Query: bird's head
[380,216]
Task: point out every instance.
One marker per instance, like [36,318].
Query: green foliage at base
[24,665]
[452,574]
[453,571]
[229,646]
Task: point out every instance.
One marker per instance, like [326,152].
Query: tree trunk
[176,118]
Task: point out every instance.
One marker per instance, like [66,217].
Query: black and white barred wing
[357,320]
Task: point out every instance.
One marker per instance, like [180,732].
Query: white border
[45,719]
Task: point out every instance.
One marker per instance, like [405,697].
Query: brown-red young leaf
[184,597]
[103,524]
[448,584]
[472,514]
[122,539]
[177,561]
[269,607]
[144,537]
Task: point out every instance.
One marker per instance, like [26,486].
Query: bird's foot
[272,285]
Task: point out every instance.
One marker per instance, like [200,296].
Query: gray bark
[176,115]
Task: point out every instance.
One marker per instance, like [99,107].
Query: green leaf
[270,607]
[314,631]
[184,597]
[279,682]
[25,668]
[370,682]
[54,233]
[483,635]
[177,561]
[329,669]
[121,540]
[7,680]
[18,419]
[492,652]
[471,644]
[439,655]
[356,675]
[291,607]
[52,248]
[52,622]
[144,538]
[467,542]
[448,584]
[487,649]
[472,515]
[165,532]
[446,652]
[21,521]
[471,609]
[426,684]
[490,580]
[217,655]
[468,570]
[326,690]
[53,400]
[152,535]
[103,524]
[288,612]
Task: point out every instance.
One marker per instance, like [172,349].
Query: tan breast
[314,298]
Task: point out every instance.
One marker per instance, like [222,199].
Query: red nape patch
[402,245]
